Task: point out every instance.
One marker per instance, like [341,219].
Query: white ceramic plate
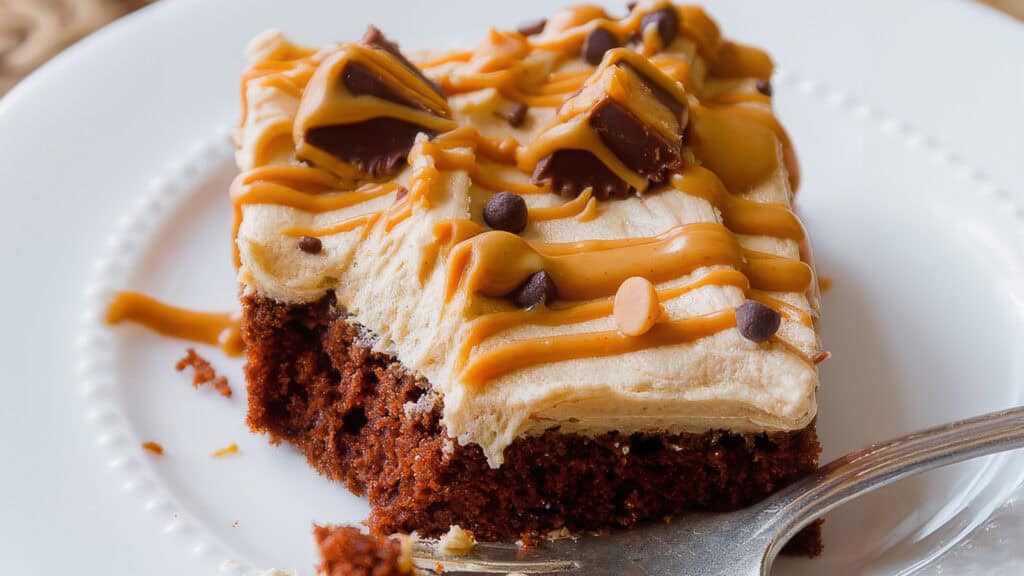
[907,118]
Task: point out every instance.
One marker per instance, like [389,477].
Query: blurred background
[33,31]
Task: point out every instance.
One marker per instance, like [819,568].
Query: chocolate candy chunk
[310,244]
[360,81]
[597,43]
[764,86]
[376,39]
[538,288]
[678,108]
[572,171]
[506,211]
[667,22]
[630,6]
[532,28]
[756,321]
[642,149]
[516,115]
[375,147]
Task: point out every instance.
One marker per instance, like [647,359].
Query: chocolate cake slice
[553,282]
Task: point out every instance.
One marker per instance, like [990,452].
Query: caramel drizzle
[495,263]
[730,138]
[518,82]
[280,185]
[222,329]
[578,207]
[525,353]
[488,325]
[364,221]
[739,215]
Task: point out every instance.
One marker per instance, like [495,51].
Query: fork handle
[857,473]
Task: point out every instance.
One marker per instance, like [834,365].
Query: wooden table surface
[32,31]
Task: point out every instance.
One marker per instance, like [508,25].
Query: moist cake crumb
[203,374]
[345,551]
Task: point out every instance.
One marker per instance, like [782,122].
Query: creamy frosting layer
[390,263]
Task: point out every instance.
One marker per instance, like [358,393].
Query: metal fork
[745,542]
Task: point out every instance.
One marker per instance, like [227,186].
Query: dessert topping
[216,328]
[516,114]
[363,107]
[764,86]
[375,38]
[400,192]
[667,22]
[310,244]
[621,131]
[571,171]
[538,288]
[532,28]
[506,211]
[756,321]
[597,43]
[636,307]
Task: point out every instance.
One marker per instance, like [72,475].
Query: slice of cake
[551,282]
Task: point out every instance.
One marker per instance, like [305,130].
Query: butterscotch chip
[532,28]
[636,308]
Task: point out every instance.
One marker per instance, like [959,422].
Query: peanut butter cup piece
[532,28]
[374,147]
[757,322]
[597,43]
[667,22]
[538,288]
[635,111]
[400,193]
[570,172]
[636,308]
[506,211]
[375,38]
[310,244]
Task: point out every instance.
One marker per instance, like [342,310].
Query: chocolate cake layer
[362,418]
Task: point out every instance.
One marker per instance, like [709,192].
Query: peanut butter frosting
[614,306]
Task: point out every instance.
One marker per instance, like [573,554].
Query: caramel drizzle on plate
[734,138]
[221,329]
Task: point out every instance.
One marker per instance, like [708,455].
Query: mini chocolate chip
[764,86]
[506,211]
[538,288]
[756,321]
[516,115]
[597,43]
[532,28]
[630,6]
[667,22]
[400,193]
[310,244]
